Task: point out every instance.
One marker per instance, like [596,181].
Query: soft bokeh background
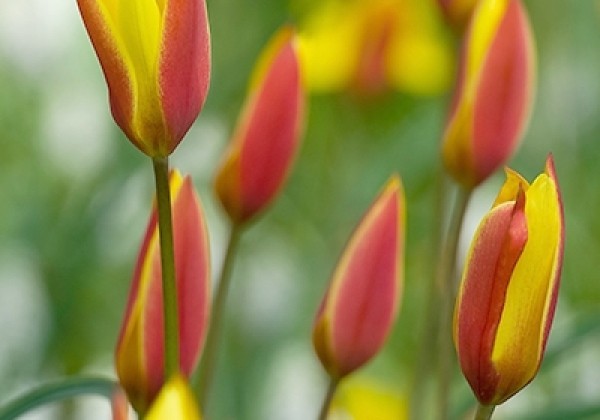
[75,196]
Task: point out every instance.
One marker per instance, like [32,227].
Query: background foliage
[75,197]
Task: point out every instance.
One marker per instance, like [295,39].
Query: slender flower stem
[328,397]
[429,333]
[209,357]
[484,412]
[167,258]
[447,286]
[57,391]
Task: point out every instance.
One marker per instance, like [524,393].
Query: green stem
[209,356]
[328,397]
[429,332]
[57,391]
[167,258]
[484,412]
[447,286]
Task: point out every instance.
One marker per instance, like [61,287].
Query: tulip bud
[267,136]
[140,348]
[155,56]
[457,12]
[509,288]
[174,402]
[493,96]
[361,304]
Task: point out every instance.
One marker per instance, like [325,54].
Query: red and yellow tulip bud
[361,304]
[458,12]
[509,288]
[372,46]
[493,96]
[267,136]
[175,402]
[155,56]
[140,348]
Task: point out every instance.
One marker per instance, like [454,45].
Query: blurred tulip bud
[175,402]
[509,288]
[267,136]
[458,12]
[361,304]
[493,97]
[362,399]
[156,60]
[140,348]
[371,46]
[119,405]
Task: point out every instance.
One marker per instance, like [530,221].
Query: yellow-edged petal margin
[530,291]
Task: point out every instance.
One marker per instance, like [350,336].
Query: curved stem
[484,412]
[209,356]
[167,258]
[57,391]
[447,286]
[328,397]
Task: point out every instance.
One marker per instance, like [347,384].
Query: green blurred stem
[57,391]
[209,357]
[448,286]
[167,259]
[328,397]
[484,412]
[429,332]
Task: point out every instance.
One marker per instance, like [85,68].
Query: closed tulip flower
[140,348]
[361,304]
[267,137]
[493,96]
[175,402]
[509,288]
[155,56]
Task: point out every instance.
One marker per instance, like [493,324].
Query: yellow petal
[175,402]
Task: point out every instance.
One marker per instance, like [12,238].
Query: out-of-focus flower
[372,45]
[493,96]
[361,304]
[175,402]
[140,348]
[359,398]
[457,12]
[155,56]
[267,136]
[508,293]
[119,405]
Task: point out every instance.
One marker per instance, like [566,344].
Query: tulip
[373,46]
[361,304]
[267,137]
[509,288]
[174,402]
[457,12]
[493,97]
[155,56]
[140,348]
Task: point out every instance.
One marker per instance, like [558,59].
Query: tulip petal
[527,314]
[362,302]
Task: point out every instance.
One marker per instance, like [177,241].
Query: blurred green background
[75,196]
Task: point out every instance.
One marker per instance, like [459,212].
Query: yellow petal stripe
[530,289]
[510,189]
[136,26]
